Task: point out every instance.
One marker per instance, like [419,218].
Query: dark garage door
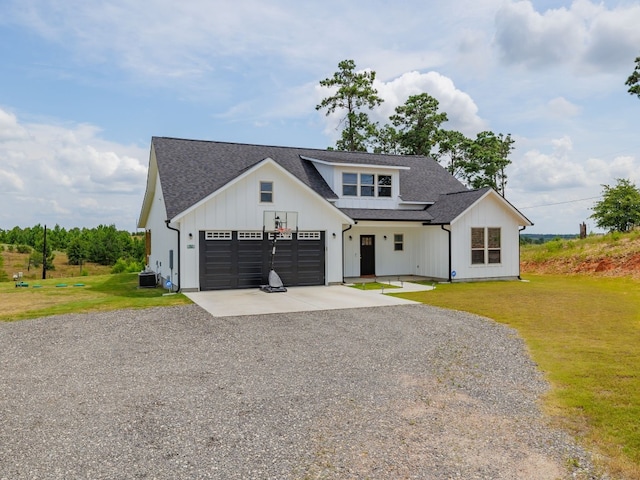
[239,260]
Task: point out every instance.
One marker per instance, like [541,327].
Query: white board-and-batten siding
[490,212]
[163,240]
[238,207]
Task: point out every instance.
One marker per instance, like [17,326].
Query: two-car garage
[242,259]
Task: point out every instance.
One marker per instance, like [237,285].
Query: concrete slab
[225,303]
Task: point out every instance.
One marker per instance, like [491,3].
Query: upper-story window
[350,184]
[366,185]
[384,185]
[266,192]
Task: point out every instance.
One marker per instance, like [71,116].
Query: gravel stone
[403,392]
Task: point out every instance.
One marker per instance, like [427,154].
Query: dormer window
[350,184]
[366,185]
[384,185]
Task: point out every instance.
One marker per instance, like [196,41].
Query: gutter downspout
[520,230]
[449,232]
[345,230]
[178,231]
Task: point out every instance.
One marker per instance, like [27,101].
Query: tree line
[104,245]
[414,129]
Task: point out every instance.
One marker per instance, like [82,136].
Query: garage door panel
[249,261]
[240,263]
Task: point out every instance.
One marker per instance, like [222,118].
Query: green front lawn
[79,295]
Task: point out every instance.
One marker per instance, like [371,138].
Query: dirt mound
[615,257]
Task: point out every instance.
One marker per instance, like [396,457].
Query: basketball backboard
[274,221]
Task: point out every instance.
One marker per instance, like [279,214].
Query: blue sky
[85,85]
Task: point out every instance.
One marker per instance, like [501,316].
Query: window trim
[350,184]
[376,186]
[486,249]
[218,235]
[398,241]
[263,191]
[250,235]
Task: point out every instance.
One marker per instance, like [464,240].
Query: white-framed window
[266,192]
[282,236]
[384,185]
[398,242]
[350,184]
[366,185]
[250,235]
[217,235]
[486,245]
[309,236]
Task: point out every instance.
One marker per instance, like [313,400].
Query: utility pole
[44,254]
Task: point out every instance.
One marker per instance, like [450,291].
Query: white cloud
[462,112]
[543,172]
[606,172]
[9,128]
[587,36]
[563,170]
[10,182]
[67,174]
[557,189]
[562,108]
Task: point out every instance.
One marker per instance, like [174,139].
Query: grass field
[584,333]
[14,262]
[79,295]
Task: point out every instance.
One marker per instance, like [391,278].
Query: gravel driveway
[168,393]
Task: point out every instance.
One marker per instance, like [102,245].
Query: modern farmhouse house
[211,211]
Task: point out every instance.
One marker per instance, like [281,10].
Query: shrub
[23,249]
[120,266]
[554,245]
[127,266]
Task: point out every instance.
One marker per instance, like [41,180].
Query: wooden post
[583,230]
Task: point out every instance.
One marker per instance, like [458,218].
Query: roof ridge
[327,150]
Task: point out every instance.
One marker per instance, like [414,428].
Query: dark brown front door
[367,255]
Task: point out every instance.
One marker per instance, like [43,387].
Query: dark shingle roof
[388,215]
[191,170]
[447,208]
[450,206]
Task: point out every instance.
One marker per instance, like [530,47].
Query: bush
[120,266]
[554,245]
[23,249]
[127,266]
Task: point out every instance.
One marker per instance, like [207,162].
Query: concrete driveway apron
[224,303]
